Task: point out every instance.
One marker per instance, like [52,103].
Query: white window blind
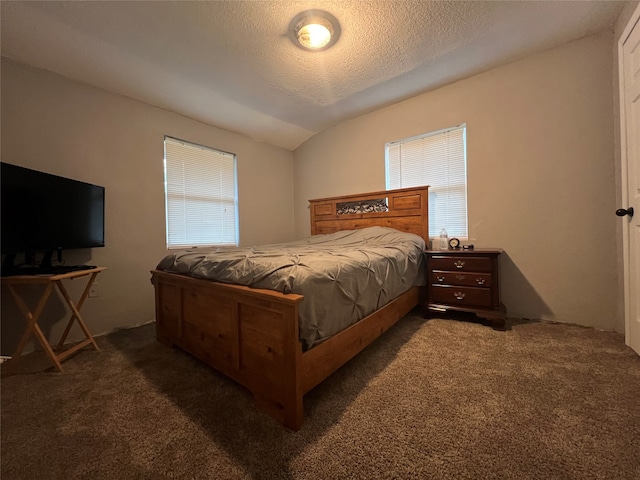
[200,194]
[437,159]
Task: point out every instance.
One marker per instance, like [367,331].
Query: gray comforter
[343,276]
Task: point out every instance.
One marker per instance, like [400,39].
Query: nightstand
[465,281]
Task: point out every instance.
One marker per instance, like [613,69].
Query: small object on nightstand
[454,243]
[444,239]
[467,247]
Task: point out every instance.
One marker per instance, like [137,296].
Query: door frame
[624,167]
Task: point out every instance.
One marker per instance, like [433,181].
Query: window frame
[434,230]
[236,232]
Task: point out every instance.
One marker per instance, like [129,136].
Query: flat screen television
[44,213]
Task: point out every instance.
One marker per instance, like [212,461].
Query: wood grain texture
[252,335]
[465,281]
[408,212]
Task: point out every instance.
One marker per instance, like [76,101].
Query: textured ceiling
[232,64]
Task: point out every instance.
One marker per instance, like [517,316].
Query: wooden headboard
[408,211]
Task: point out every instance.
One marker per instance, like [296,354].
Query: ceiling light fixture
[315,30]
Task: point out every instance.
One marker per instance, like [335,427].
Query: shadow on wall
[518,295]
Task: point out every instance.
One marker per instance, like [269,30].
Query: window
[437,159]
[200,194]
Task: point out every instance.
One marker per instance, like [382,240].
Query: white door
[630,132]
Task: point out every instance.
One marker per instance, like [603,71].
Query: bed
[254,335]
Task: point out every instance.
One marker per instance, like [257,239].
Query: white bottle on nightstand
[444,239]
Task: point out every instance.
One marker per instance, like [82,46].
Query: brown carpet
[431,399]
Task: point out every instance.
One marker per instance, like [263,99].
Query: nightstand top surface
[457,251]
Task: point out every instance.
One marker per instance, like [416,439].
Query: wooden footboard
[251,335]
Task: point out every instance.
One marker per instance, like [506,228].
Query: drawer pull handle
[440,279]
[459,295]
[459,263]
[480,281]
[461,277]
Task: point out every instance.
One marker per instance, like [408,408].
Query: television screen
[44,213]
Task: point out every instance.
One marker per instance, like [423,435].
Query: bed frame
[251,335]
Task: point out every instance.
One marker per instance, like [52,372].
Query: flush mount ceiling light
[314,30]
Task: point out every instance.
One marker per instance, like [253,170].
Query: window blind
[437,159]
[200,195]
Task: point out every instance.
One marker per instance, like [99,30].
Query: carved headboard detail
[407,211]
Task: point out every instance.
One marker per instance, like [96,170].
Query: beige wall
[541,174]
[52,124]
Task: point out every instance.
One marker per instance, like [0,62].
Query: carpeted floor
[439,399]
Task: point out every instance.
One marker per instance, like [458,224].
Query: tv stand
[42,270]
[32,316]
[46,263]
[7,263]
[46,260]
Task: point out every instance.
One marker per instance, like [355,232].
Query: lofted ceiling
[232,64]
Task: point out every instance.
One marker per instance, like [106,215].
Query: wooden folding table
[50,282]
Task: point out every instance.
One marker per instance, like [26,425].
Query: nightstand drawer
[467,296]
[439,277]
[461,263]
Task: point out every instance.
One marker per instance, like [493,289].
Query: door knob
[621,212]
